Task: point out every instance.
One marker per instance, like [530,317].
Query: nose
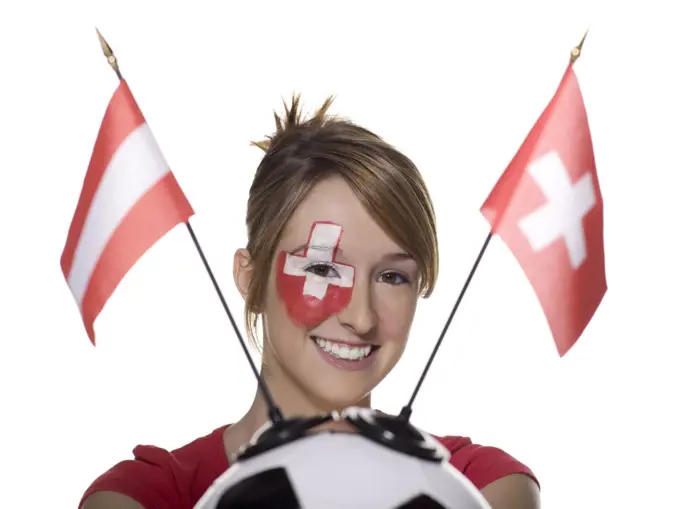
[359,315]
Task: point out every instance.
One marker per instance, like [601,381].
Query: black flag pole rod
[275,414]
[407,410]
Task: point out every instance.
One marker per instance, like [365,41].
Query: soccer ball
[374,468]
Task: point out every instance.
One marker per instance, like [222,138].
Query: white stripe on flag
[136,166]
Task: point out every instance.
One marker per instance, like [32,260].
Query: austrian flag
[547,208]
[129,200]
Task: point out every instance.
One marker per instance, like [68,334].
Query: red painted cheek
[307,310]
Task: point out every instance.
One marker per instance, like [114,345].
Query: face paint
[309,296]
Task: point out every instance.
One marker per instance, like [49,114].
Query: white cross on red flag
[129,200]
[547,208]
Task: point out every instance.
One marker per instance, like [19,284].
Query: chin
[334,383]
[336,389]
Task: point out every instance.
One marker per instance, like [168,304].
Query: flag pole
[407,410]
[275,414]
[576,52]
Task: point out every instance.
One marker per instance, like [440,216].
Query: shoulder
[158,478]
[485,465]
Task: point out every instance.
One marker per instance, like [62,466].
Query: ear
[243,271]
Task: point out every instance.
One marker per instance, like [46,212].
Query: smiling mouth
[344,351]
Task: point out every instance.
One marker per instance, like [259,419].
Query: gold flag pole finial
[576,52]
[108,53]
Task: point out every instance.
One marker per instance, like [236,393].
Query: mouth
[345,355]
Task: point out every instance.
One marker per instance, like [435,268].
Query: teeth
[355,353]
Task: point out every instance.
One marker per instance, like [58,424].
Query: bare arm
[515,491]
[110,500]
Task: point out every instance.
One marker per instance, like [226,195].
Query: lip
[346,365]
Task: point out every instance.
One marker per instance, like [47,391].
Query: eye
[322,270]
[393,278]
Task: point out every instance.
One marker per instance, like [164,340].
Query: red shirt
[161,479]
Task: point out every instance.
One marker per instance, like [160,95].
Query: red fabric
[160,479]
[547,208]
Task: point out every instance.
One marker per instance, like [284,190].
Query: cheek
[396,310]
[309,300]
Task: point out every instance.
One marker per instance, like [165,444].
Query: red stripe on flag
[121,118]
[155,214]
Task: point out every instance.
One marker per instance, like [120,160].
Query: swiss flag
[129,200]
[547,208]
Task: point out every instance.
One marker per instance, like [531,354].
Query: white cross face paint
[313,285]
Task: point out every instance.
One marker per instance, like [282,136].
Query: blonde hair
[301,153]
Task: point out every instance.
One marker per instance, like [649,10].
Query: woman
[341,243]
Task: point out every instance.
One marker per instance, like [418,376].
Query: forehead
[332,200]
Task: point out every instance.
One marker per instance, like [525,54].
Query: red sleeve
[154,478]
[483,465]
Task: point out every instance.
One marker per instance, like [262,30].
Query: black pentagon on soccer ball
[270,489]
[421,502]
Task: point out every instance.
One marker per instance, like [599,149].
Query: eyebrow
[396,256]
[314,247]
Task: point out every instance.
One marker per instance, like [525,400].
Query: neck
[289,397]
[292,400]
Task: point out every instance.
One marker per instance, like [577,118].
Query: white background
[457,90]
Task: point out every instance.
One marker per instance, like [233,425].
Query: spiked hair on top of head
[292,117]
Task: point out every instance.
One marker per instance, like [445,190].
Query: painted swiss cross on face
[312,284]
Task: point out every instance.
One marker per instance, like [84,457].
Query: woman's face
[340,300]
